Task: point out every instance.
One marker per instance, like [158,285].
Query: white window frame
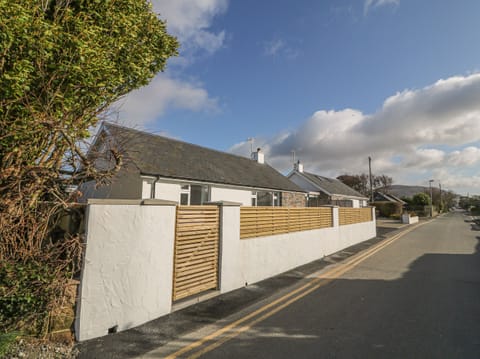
[184,191]
[188,191]
[253,201]
[275,198]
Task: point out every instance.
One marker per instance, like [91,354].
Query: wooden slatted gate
[196,250]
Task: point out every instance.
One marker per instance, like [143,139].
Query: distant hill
[406,191]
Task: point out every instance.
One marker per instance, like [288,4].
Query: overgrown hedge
[26,291]
[388,209]
[35,274]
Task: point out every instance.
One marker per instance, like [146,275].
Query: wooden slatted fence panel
[267,221]
[196,250]
[354,215]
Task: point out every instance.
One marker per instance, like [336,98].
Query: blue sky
[334,80]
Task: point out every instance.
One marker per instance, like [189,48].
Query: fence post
[335,217]
[230,270]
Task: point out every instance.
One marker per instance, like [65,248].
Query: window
[313,201]
[254,199]
[198,194]
[185,195]
[277,199]
[194,194]
[267,198]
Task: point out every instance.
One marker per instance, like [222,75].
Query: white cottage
[163,168]
[326,191]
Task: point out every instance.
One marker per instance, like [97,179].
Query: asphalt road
[417,296]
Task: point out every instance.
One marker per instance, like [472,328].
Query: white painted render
[171,192]
[147,187]
[128,267]
[251,260]
[167,191]
[229,194]
[407,219]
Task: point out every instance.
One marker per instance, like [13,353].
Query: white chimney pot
[298,166]
[258,156]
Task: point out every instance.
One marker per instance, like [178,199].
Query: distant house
[323,190]
[387,197]
[163,168]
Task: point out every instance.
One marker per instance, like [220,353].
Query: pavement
[140,340]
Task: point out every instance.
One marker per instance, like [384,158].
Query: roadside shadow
[431,311]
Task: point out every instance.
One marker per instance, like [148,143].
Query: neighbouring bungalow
[163,168]
[326,191]
[387,197]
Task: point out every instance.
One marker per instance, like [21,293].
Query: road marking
[313,285]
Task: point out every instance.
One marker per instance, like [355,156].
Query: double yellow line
[239,326]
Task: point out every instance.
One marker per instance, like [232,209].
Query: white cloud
[371,4]
[190,21]
[414,133]
[145,105]
[469,156]
[279,47]
[428,158]
[273,47]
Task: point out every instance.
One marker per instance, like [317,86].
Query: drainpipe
[152,193]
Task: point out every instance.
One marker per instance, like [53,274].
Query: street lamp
[431,197]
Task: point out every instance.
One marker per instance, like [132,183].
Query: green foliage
[62,65]
[6,342]
[25,292]
[475,210]
[388,209]
[470,203]
[421,199]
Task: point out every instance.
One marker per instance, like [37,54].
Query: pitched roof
[332,186]
[379,197]
[165,157]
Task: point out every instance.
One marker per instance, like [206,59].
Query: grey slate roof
[165,157]
[332,186]
[379,197]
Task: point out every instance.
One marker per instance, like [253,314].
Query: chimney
[298,166]
[258,156]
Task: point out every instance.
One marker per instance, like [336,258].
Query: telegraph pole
[431,197]
[440,205]
[370,175]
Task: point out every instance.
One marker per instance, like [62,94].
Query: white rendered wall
[246,261]
[147,187]
[171,192]
[265,257]
[167,191]
[128,267]
[409,220]
[232,195]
